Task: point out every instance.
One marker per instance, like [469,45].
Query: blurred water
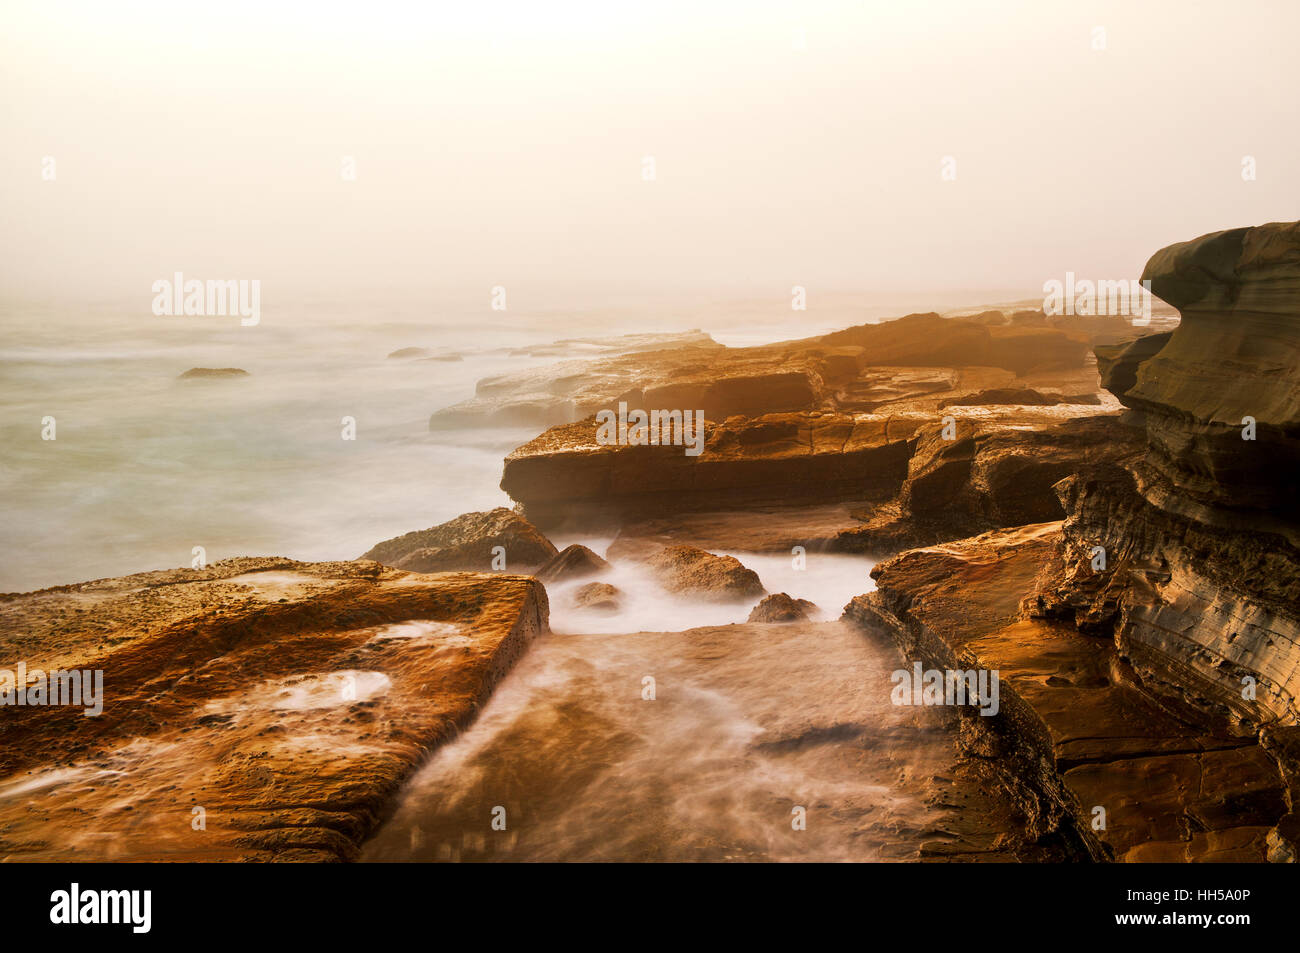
[829,581]
[747,724]
[145,466]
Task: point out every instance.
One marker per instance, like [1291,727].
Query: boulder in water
[781,607]
[598,597]
[694,572]
[573,562]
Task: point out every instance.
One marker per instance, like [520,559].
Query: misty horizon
[507,147]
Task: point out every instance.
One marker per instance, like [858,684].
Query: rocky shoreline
[1103,514]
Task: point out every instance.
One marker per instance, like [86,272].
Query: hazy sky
[503,143]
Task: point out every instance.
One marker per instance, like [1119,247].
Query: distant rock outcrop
[213,372]
[793,376]
[475,542]
[929,339]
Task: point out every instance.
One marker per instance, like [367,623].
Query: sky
[511,143]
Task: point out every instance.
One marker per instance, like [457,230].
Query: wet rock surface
[1077,728]
[740,729]
[257,709]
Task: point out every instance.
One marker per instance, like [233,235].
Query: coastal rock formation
[1201,581]
[826,373]
[1020,396]
[1231,369]
[1076,729]
[573,562]
[695,573]
[283,703]
[565,474]
[618,344]
[930,340]
[780,607]
[1149,643]
[207,373]
[992,473]
[471,542]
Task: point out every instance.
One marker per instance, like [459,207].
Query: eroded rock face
[573,562]
[778,458]
[282,702]
[1235,355]
[997,472]
[1186,556]
[1201,583]
[1118,363]
[780,607]
[1076,727]
[1197,608]
[466,543]
[699,574]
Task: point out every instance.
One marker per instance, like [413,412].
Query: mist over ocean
[146,466]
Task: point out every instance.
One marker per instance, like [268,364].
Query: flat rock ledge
[257,709]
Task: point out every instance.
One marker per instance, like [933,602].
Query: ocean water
[747,726]
[146,466]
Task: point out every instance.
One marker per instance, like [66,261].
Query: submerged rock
[693,572]
[495,540]
[782,608]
